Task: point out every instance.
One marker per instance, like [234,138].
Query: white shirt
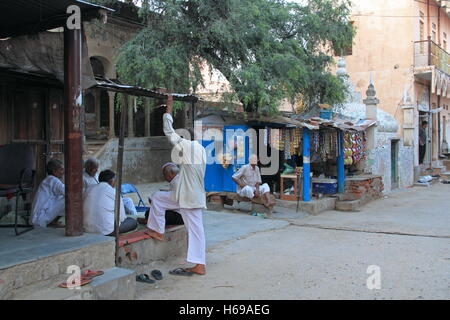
[49,192]
[88,181]
[248,176]
[98,209]
[191,158]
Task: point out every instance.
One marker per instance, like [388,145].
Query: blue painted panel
[228,184]
[214,172]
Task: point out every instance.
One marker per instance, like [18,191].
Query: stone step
[313,207]
[137,249]
[351,205]
[114,284]
[44,253]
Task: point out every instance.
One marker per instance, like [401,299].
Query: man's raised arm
[168,123]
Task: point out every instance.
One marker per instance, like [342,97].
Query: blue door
[217,178]
[240,154]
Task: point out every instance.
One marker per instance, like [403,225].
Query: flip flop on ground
[157,274]
[181,272]
[144,278]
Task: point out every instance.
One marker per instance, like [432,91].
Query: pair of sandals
[85,278]
[146,279]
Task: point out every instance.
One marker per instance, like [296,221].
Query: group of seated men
[99,196]
[98,200]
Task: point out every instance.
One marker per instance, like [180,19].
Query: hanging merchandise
[282,139]
[354,147]
[287,144]
[348,160]
[275,138]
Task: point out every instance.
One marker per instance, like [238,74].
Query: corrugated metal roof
[142,92]
[20,17]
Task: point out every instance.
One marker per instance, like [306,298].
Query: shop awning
[21,17]
[360,125]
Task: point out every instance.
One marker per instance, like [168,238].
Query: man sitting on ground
[90,170]
[248,179]
[98,207]
[48,204]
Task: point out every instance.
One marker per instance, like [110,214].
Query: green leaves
[267,49]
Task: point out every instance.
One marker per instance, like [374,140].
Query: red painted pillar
[73,132]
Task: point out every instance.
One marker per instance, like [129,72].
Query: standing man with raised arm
[188,198]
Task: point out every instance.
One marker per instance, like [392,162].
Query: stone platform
[40,259]
[313,207]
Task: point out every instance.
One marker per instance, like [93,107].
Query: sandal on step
[92,274]
[83,281]
[157,274]
[144,278]
[181,272]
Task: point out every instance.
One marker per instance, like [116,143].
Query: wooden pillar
[73,101]
[148,113]
[130,109]
[112,133]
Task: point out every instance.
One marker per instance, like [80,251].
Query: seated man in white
[98,207]
[89,175]
[248,179]
[91,166]
[48,203]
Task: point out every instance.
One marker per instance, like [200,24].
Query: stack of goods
[354,147]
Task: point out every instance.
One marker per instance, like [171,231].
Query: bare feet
[156,235]
[198,269]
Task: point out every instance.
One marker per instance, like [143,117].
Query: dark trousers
[129,224]
[422,151]
[172,218]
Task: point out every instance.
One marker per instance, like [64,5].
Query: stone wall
[379,161]
[142,160]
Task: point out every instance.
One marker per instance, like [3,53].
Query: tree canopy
[267,49]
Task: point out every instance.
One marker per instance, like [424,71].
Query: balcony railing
[428,53]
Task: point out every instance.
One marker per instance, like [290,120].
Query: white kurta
[191,157]
[88,181]
[98,209]
[48,202]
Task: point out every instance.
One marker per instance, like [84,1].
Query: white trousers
[130,208]
[249,192]
[57,209]
[192,218]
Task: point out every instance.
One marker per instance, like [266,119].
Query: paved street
[406,235]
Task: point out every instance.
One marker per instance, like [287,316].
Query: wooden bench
[229,197]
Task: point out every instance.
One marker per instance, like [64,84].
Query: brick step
[114,284]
